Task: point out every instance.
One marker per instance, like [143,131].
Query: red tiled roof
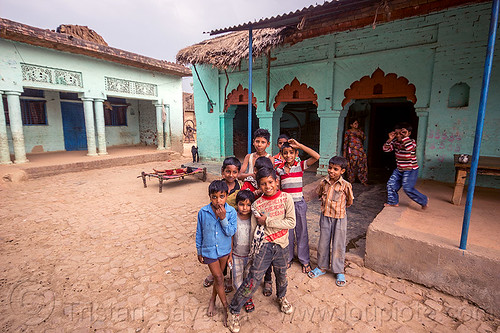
[62,42]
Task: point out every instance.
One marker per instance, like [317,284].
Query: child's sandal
[249,306]
[306,268]
[268,289]
[227,286]
[208,282]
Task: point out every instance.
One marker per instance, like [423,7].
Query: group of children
[257,214]
[256,217]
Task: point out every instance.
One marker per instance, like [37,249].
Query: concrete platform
[54,163]
[423,245]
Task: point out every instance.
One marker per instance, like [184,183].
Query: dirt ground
[94,251]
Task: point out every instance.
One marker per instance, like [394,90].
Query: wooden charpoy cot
[178,173]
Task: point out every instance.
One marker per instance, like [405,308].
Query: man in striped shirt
[406,173]
[291,172]
[335,194]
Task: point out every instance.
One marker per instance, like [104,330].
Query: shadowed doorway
[377,118]
[240,130]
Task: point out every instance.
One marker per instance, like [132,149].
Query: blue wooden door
[75,136]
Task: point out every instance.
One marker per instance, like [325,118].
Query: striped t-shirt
[405,151]
[291,182]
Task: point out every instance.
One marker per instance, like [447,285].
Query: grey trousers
[332,243]
[299,232]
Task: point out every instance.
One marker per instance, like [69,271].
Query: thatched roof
[228,50]
[82,32]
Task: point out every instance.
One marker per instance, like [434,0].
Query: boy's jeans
[407,179]
[269,254]
[300,231]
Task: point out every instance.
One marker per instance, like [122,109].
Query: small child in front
[291,172]
[406,172]
[214,231]
[335,194]
[274,211]
[250,182]
[242,240]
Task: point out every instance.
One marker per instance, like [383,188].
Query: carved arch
[239,96]
[295,92]
[379,85]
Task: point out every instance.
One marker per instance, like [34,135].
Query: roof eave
[82,47]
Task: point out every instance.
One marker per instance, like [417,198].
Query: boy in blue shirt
[216,226]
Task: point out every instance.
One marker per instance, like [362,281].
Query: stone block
[398,286]
[442,319]
[394,294]
[433,305]
[354,272]
[485,328]
[414,255]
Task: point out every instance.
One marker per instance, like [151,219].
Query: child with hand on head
[336,195]
[261,139]
[242,240]
[291,173]
[275,215]
[229,171]
[214,231]
[406,172]
[278,158]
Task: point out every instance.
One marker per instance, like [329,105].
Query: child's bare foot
[388,205]
[211,308]
[224,316]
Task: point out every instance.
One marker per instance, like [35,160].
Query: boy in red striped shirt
[291,172]
[406,172]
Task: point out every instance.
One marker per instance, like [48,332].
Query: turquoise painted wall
[433,52]
[169,91]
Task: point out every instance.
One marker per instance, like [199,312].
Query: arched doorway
[299,120]
[237,102]
[379,102]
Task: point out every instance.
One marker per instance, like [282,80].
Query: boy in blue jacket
[216,226]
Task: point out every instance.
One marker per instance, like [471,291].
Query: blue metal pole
[480,122]
[250,37]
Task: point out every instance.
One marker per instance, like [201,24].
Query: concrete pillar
[226,120]
[88,111]
[16,126]
[270,121]
[159,127]
[423,121]
[4,142]
[328,142]
[101,128]
[167,129]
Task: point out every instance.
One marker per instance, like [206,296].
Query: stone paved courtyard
[96,252]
